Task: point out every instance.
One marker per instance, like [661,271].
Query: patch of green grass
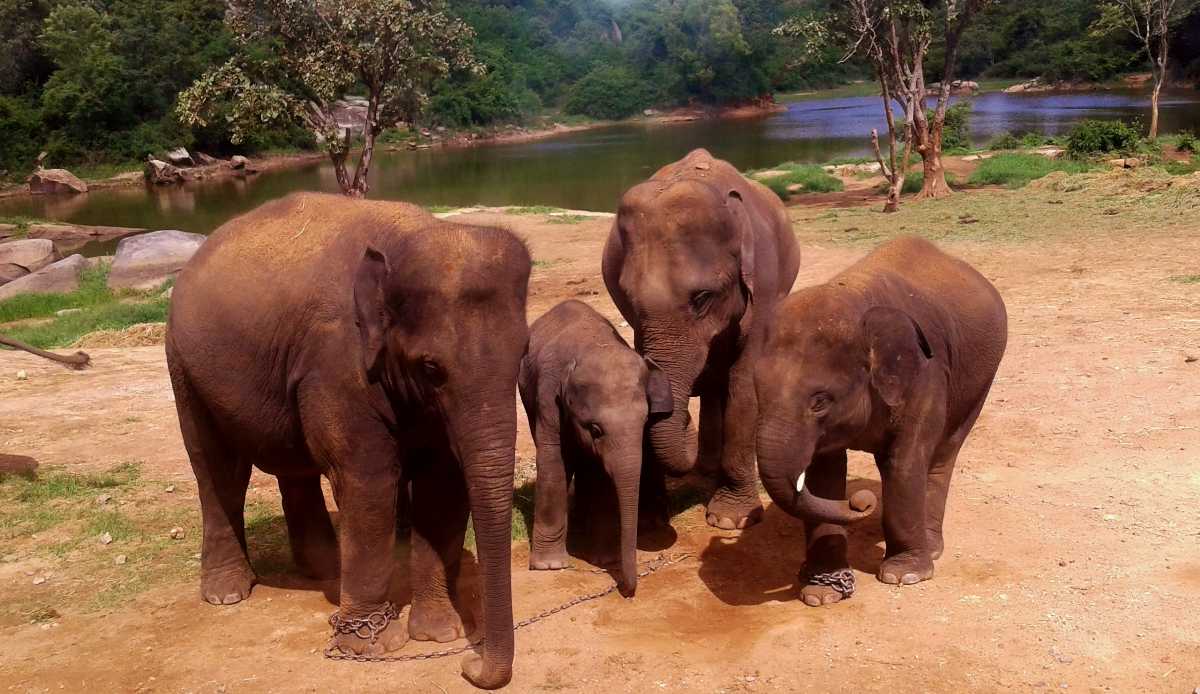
[533,209]
[1182,168]
[915,181]
[101,171]
[69,485]
[439,209]
[850,161]
[93,291]
[811,177]
[542,264]
[1017,170]
[21,223]
[113,522]
[64,330]
[567,218]
[1185,279]
[30,505]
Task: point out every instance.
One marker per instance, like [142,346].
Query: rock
[104,499]
[167,293]
[68,311]
[237,162]
[1049,152]
[205,160]
[106,538]
[1127,163]
[146,261]
[795,188]
[170,489]
[22,376]
[58,278]
[29,255]
[1034,84]
[39,580]
[47,181]
[180,157]
[161,173]
[8,273]
[176,533]
[120,559]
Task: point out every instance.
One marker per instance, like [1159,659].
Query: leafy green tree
[608,93]
[296,59]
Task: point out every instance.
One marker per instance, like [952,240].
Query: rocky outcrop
[957,88]
[205,160]
[237,162]
[147,260]
[55,278]
[180,157]
[48,181]
[161,173]
[19,258]
[350,114]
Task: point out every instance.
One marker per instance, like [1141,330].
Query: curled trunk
[673,439]
[783,458]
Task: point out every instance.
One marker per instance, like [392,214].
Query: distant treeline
[95,81]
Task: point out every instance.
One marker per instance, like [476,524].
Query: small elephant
[588,397]
[697,258]
[895,357]
[366,342]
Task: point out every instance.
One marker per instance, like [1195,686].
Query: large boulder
[55,278]
[205,160]
[180,157]
[238,162]
[147,260]
[161,173]
[46,181]
[19,258]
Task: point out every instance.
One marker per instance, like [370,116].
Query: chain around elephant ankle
[366,628]
[841,580]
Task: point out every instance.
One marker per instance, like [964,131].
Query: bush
[608,93]
[1186,141]
[1093,137]
[20,134]
[1034,140]
[813,178]
[1005,141]
[1016,170]
[956,131]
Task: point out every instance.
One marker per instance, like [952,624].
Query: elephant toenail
[910,579]
[812,601]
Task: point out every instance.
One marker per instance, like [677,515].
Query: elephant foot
[729,511]
[826,588]
[549,560]
[435,621]
[375,634]
[935,545]
[906,568]
[227,586]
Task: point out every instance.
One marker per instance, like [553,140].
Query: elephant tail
[78,360]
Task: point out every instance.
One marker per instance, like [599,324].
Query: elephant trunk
[783,458]
[488,470]
[673,439]
[627,475]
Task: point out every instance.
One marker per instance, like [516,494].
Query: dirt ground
[1073,538]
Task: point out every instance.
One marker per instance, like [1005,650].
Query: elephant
[78,360]
[696,259]
[895,357]
[588,397]
[365,342]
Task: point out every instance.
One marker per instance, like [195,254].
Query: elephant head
[607,396]
[444,339]
[680,266]
[829,374]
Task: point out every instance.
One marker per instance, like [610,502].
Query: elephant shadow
[271,559]
[760,563]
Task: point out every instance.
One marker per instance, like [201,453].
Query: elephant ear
[745,236]
[897,350]
[371,314]
[658,389]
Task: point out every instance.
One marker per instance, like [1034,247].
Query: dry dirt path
[1073,558]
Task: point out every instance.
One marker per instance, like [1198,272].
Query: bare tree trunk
[1154,108]
[370,130]
[338,156]
[893,174]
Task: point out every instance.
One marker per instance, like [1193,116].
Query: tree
[1151,23]
[895,36]
[296,59]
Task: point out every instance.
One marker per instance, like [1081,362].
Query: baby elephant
[588,396]
[895,357]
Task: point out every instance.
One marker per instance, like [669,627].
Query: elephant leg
[825,551]
[549,543]
[735,504]
[654,504]
[906,559]
[439,524]
[712,434]
[938,487]
[403,509]
[222,478]
[310,532]
[597,498]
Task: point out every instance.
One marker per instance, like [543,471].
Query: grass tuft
[1017,170]
[812,177]
[533,209]
[1185,279]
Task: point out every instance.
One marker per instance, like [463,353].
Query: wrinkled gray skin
[588,397]
[318,336]
[696,259]
[895,357]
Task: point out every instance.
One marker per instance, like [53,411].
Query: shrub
[813,178]
[1186,141]
[20,133]
[608,93]
[1005,141]
[956,131]
[1092,137]
[1033,140]
[1016,170]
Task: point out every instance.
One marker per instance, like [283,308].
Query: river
[589,169]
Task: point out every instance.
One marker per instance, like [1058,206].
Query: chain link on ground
[336,653]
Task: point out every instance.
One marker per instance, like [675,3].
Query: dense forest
[93,81]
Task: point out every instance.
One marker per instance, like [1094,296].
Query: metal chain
[841,580]
[343,625]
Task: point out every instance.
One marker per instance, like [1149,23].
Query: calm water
[589,170]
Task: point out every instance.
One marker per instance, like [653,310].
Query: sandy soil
[1073,557]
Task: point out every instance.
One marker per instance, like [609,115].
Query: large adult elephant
[359,341]
[696,259]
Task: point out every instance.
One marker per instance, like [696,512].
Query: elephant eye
[820,403]
[701,300]
[595,430]
[433,371]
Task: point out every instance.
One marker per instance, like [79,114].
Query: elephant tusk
[800,482]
